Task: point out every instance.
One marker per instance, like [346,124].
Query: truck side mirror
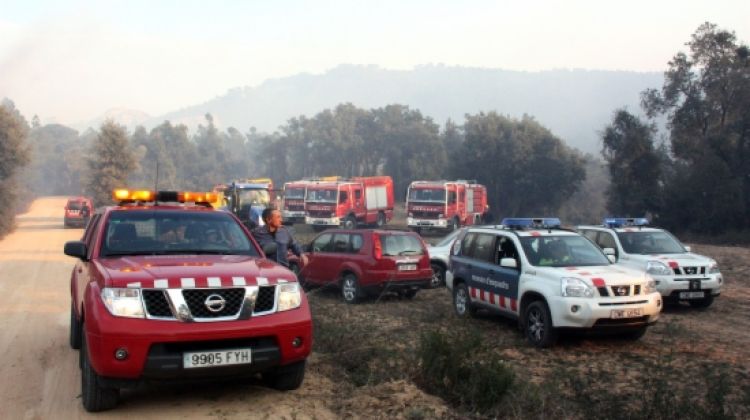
[508,263]
[612,258]
[608,251]
[687,248]
[76,249]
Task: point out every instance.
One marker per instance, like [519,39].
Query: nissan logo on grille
[215,303]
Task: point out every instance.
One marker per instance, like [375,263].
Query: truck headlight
[289,296]
[657,268]
[574,287]
[123,302]
[440,216]
[714,268]
[650,286]
[411,214]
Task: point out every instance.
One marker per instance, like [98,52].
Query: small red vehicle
[168,288]
[78,211]
[368,262]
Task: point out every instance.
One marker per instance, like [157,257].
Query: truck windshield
[295,193]
[167,232]
[254,197]
[562,251]
[652,242]
[321,196]
[435,195]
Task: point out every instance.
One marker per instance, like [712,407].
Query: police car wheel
[702,303]
[461,301]
[438,275]
[538,325]
[93,396]
[350,290]
[75,329]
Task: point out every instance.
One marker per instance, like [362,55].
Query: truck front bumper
[322,221]
[427,223]
[569,312]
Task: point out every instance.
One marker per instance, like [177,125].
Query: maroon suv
[368,261]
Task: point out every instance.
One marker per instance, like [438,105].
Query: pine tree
[109,163]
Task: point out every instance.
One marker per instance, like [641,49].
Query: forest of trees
[694,178]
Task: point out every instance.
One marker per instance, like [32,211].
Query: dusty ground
[40,378]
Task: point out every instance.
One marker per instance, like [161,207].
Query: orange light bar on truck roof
[197,197]
[133,195]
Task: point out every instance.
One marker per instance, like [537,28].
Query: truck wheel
[349,223]
[381,220]
[438,275]
[702,303]
[75,329]
[286,378]
[538,325]
[93,395]
[350,289]
[461,301]
[634,334]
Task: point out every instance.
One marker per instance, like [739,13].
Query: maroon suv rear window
[74,205]
[401,245]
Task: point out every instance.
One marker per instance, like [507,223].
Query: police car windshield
[296,193]
[427,195]
[254,197]
[322,196]
[650,242]
[175,232]
[562,251]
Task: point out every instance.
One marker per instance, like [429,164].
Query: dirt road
[364,363]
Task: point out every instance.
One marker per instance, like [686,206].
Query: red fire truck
[349,202]
[445,205]
[293,208]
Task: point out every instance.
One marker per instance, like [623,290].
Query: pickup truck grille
[157,302]
[196,301]
[689,271]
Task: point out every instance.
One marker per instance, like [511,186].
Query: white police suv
[550,279]
[680,274]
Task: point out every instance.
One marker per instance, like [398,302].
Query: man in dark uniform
[274,232]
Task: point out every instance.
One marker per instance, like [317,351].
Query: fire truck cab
[349,202]
[445,205]
[293,207]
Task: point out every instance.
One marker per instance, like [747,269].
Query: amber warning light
[124,195]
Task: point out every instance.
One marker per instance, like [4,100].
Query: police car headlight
[289,296]
[657,268]
[123,302]
[714,268]
[574,287]
[650,286]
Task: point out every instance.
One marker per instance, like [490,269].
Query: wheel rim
[349,224]
[349,289]
[535,325]
[437,277]
[461,300]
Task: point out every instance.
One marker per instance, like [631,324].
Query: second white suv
[550,279]
[680,274]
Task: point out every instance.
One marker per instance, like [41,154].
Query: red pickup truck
[167,288]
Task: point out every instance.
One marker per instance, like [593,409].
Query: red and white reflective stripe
[203,282]
[498,301]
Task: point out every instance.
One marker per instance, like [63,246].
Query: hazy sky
[70,61]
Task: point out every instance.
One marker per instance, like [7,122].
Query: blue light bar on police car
[529,222]
[616,222]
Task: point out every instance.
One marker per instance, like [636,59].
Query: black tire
[381,220]
[349,223]
[408,293]
[462,302]
[702,303]
[93,396]
[438,275]
[286,378]
[537,325]
[634,334]
[350,289]
[75,329]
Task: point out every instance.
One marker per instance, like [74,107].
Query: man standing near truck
[274,232]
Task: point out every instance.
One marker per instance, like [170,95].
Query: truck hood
[611,274]
[187,271]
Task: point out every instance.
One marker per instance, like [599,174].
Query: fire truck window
[452,197]
[343,196]
[357,194]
